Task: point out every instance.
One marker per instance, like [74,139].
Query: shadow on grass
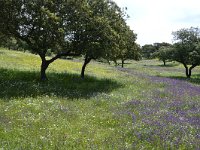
[15,83]
[194,78]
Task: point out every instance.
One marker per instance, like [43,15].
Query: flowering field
[143,106]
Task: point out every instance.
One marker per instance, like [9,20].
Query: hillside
[143,106]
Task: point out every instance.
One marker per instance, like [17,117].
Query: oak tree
[186,48]
[43,24]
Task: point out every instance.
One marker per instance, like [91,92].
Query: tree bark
[188,75]
[122,63]
[164,62]
[86,61]
[44,67]
[45,63]
[115,61]
[187,71]
[190,70]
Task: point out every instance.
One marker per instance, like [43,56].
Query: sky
[154,20]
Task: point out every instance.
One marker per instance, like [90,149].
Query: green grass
[172,69]
[103,111]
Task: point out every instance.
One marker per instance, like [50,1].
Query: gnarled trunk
[44,67]
[188,71]
[86,61]
[45,63]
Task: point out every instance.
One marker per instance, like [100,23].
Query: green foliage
[13,44]
[44,25]
[128,49]
[164,54]
[159,45]
[148,50]
[95,29]
[186,49]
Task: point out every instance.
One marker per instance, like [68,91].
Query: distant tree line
[156,50]
[185,49]
[93,29]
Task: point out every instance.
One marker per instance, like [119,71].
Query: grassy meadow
[142,106]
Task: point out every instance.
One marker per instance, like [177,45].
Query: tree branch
[193,66]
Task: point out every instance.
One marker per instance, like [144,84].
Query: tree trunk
[122,63]
[115,61]
[44,67]
[187,71]
[190,70]
[108,62]
[164,62]
[87,60]
[45,63]
[83,70]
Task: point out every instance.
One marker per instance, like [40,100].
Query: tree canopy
[163,53]
[148,50]
[186,48]
[43,24]
[92,28]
